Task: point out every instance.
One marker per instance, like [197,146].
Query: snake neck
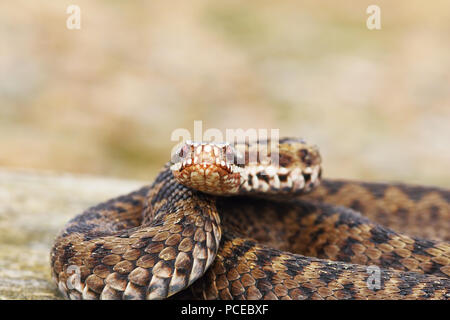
[192,218]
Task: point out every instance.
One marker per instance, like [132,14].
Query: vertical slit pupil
[307,177]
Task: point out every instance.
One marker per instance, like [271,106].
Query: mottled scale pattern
[245,269]
[167,240]
[161,246]
[415,210]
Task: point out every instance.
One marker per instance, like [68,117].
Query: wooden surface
[34,206]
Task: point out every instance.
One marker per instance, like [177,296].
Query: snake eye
[181,154]
[185,152]
[230,154]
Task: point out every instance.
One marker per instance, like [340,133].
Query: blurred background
[104,100]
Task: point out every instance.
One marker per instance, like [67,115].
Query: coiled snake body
[216,224]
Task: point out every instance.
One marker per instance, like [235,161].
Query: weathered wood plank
[34,206]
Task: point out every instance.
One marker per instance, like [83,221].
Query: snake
[256,220]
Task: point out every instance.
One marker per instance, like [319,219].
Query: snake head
[213,168]
[293,167]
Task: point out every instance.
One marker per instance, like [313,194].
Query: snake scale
[216,224]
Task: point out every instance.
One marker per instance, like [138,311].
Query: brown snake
[252,230]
